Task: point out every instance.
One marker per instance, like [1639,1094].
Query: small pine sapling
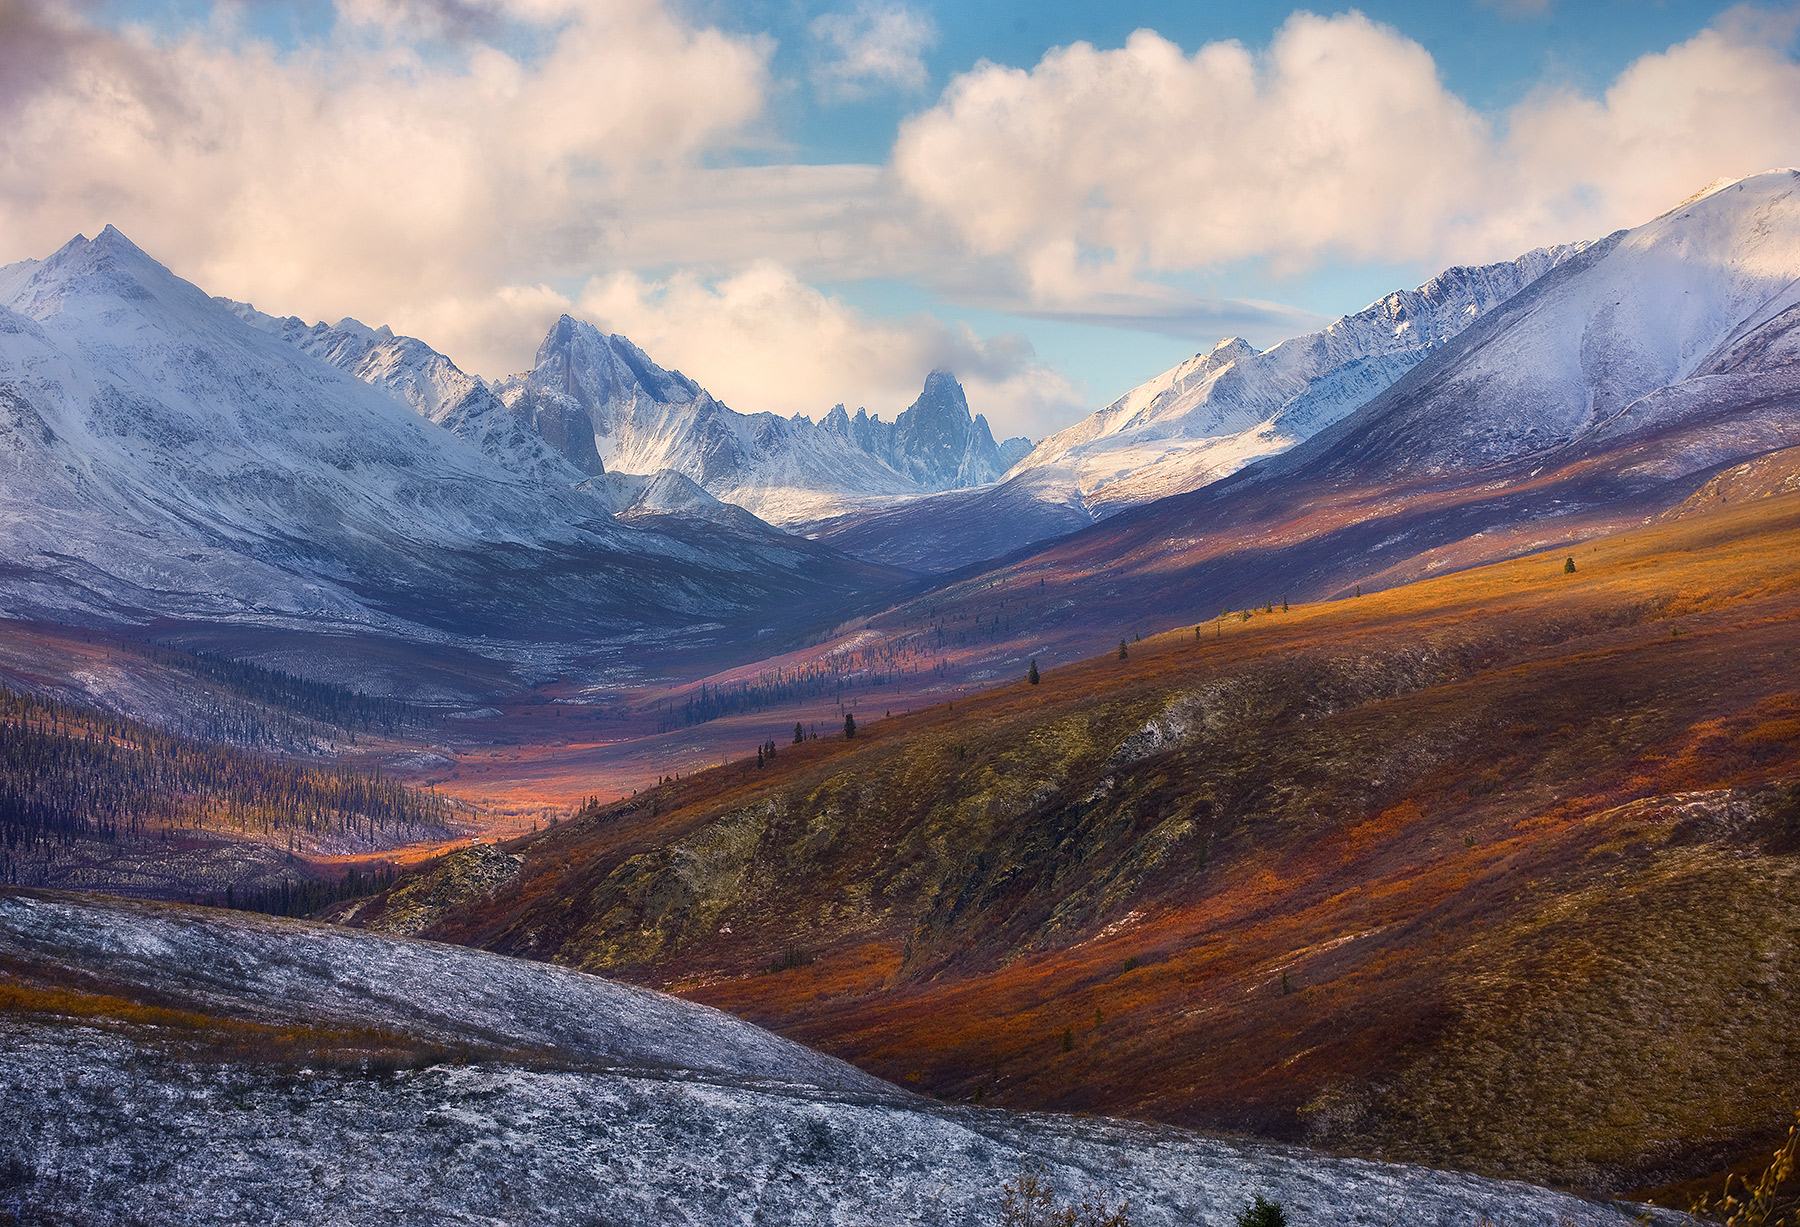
[1262,1213]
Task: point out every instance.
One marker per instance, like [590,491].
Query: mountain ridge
[166,458]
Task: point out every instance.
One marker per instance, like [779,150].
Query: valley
[1296,875]
[1324,768]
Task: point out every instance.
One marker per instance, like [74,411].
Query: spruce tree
[849,726]
[1032,676]
[1123,654]
[799,732]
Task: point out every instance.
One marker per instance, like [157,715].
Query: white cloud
[1340,141]
[764,340]
[877,44]
[456,167]
[380,171]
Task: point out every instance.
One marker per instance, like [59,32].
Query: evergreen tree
[849,726]
[1123,653]
[1032,676]
[799,732]
[1569,565]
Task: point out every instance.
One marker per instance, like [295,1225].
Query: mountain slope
[640,418]
[1218,411]
[437,391]
[1605,392]
[1191,425]
[178,1064]
[164,458]
[1495,871]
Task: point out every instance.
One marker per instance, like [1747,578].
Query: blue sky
[800,202]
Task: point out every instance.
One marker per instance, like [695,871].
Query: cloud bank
[465,169]
[1339,141]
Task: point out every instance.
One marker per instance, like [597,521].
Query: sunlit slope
[1497,870]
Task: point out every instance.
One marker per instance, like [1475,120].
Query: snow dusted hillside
[538,1095]
[159,456]
[1219,411]
[1191,425]
[1677,342]
[589,387]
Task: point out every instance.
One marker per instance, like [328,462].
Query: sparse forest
[69,774]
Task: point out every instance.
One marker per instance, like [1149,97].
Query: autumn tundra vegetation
[1498,870]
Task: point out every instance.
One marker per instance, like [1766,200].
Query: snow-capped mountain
[1678,341]
[436,389]
[589,391]
[1190,426]
[1220,410]
[1608,391]
[159,456]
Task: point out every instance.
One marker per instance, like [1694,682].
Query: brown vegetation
[1496,870]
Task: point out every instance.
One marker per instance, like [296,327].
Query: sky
[806,202]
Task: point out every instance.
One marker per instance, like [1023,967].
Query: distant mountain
[1191,425]
[599,399]
[1220,410]
[437,390]
[1609,390]
[160,457]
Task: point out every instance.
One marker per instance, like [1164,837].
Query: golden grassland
[1497,870]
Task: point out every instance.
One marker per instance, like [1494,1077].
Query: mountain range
[163,458]
[180,457]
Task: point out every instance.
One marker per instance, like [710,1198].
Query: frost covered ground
[575,1100]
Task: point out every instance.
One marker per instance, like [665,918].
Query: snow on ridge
[1220,410]
[643,419]
[634,1108]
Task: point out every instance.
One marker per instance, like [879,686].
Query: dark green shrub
[1262,1213]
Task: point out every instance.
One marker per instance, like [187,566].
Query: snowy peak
[1222,409]
[935,442]
[430,385]
[599,400]
[1689,317]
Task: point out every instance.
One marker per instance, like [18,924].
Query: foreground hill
[1497,871]
[178,1065]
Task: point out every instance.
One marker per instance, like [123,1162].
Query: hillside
[96,801]
[1497,871]
[174,1064]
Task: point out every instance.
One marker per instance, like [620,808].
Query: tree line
[69,773]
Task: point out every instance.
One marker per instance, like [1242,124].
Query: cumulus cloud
[378,169]
[876,45]
[1097,168]
[743,337]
